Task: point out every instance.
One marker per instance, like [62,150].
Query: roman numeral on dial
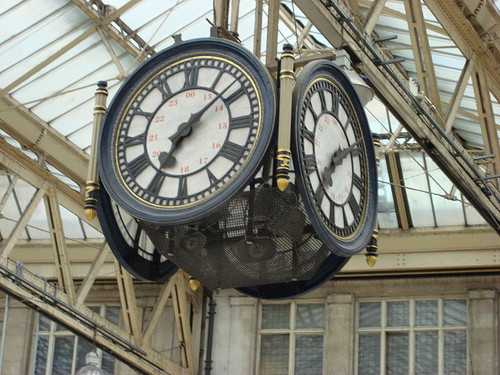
[136,166]
[182,192]
[191,76]
[240,122]
[232,151]
[156,184]
[310,163]
[134,141]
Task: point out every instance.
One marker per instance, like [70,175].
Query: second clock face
[335,158]
[189,131]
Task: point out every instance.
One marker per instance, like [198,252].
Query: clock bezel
[356,241]
[212,201]
[127,255]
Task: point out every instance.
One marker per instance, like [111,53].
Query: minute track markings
[233,151]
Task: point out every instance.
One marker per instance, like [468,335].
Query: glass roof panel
[71,224]
[448,208]
[386,212]
[417,189]
[38,226]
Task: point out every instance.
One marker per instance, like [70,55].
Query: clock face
[187,131]
[130,244]
[334,158]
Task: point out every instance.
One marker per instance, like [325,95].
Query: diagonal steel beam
[128,303]
[116,28]
[63,268]
[373,14]
[37,136]
[456,24]
[422,52]
[486,117]
[30,171]
[458,93]
[23,221]
[96,266]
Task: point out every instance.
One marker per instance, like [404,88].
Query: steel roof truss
[61,260]
[23,221]
[486,117]
[422,52]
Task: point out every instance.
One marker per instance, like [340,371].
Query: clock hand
[337,159]
[185,129]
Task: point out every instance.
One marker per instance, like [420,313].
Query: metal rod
[287,82]
[210,333]
[92,186]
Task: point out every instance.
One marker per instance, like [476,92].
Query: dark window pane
[397,354]
[275,316]
[83,347]
[369,314]
[309,355]
[426,313]
[113,314]
[43,323]
[274,355]
[310,316]
[95,309]
[426,353]
[63,355]
[369,354]
[455,312]
[455,353]
[398,314]
[42,347]
[108,363]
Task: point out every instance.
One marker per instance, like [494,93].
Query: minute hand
[185,128]
[337,160]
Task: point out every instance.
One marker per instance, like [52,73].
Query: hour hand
[166,159]
[337,159]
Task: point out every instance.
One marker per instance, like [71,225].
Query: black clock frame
[128,256]
[330,267]
[343,242]
[220,191]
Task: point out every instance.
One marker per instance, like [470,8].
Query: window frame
[52,333]
[411,329]
[291,331]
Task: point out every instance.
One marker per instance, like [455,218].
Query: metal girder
[37,136]
[128,303]
[46,298]
[56,230]
[456,24]
[89,280]
[422,53]
[373,14]
[333,20]
[458,93]
[108,20]
[22,222]
[397,182]
[182,323]
[430,250]
[257,29]
[30,171]
[272,31]
[486,117]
